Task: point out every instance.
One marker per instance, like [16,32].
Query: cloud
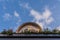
[18,22]
[48,21]
[43,19]
[16,14]
[58,28]
[36,14]
[25,5]
[46,13]
[7,16]
[17,17]
[47,16]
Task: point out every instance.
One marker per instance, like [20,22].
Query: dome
[31,26]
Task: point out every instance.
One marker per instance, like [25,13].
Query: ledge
[31,36]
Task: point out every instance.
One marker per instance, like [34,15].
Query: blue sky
[13,13]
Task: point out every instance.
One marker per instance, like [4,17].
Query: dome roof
[28,23]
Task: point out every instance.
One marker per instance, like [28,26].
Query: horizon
[14,13]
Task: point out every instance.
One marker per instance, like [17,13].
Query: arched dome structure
[29,26]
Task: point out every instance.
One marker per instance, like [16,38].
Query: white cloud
[49,20]
[25,5]
[16,14]
[46,13]
[15,17]
[58,28]
[18,22]
[36,14]
[45,17]
[7,16]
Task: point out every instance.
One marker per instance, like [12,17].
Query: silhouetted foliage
[4,31]
[46,31]
[55,31]
[8,32]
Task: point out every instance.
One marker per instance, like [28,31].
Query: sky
[14,13]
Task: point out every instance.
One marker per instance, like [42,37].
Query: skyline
[14,13]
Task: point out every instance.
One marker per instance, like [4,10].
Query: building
[29,26]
